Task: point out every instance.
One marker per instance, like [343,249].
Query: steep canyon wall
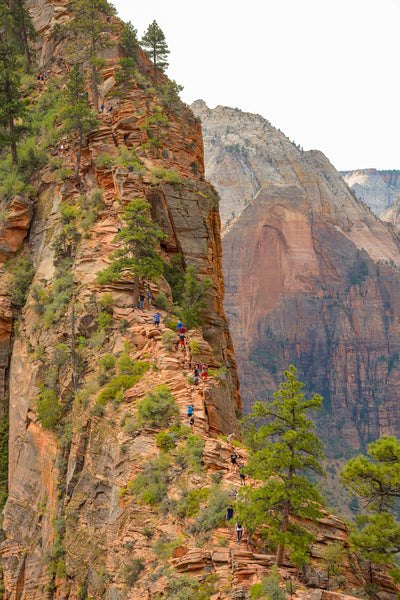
[312,278]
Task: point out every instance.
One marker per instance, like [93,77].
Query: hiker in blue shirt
[190,410]
[157,319]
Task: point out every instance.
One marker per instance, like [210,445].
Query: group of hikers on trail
[239,528]
[200,371]
[142,299]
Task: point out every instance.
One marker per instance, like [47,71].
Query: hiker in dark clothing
[191,424]
[233,463]
[119,227]
[196,372]
[141,301]
[157,319]
[182,340]
[229,513]
[239,532]
[242,475]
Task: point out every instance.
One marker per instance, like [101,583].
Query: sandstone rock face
[64,505]
[311,279]
[378,189]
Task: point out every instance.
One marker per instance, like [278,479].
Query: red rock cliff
[312,278]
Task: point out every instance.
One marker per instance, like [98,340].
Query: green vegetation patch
[122,382]
[157,407]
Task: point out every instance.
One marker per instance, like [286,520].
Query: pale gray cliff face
[378,189]
[239,155]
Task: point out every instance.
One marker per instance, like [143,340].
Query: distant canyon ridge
[312,275]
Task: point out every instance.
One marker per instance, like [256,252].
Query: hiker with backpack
[157,319]
[239,532]
[204,372]
[233,463]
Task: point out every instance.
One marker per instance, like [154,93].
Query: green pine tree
[138,254]
[77,116]
[23,30]
[169,94]
[12,104]
[375,479]
[194,298]
[285,450]
[89,27]
[128,40]
[156,48]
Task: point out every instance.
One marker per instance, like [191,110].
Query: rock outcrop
[312,279]
[66,526]
[378,189]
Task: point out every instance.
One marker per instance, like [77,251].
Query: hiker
[157,319]
[182,329]
[204,372]
[229,513]
[230,438]
[179,325]
[102,108]
[233,463]
[190,410]
[196,372]
[141,301]
[196,377]
[191,424]
[62,148]
[239,532]
[119,227]
[110,107]
[242,475]
[149,298]
[182,340]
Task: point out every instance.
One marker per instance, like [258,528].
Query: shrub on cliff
[48,408]
[151,485]
[122,382]
[213,514]
[157,407]
[22,271]
[194,298]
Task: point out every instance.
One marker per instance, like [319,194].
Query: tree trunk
[78,154]
[136,281]
[94,77]
[283,528]
[14,154]
[25,41]
[135,291]
[155,66]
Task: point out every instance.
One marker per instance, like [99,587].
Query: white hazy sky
[325,72]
